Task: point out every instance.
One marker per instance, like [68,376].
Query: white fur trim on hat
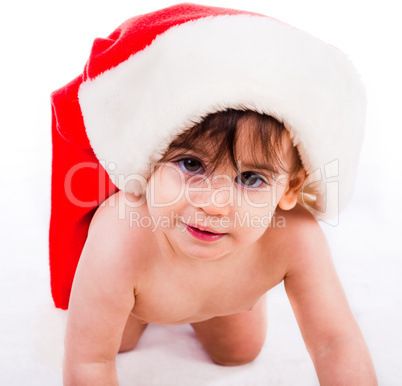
[133,111]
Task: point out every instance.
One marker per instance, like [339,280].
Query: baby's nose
[214,196]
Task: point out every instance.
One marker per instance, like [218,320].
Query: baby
[212,211]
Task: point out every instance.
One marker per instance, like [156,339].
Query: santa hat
[158,74]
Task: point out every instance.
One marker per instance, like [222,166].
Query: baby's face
[207,213]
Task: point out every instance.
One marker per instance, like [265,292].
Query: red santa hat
[160,73]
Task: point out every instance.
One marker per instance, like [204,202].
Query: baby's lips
[204,235]
[205,229]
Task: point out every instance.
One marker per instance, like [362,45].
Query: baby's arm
[101,300]
[332,336]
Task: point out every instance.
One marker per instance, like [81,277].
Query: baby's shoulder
[124,249]
[113,252]
[296,233]
[118,207]
[113,220]
[298,220]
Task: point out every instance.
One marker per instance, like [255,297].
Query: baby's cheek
[259,202]
[165,188]
[256,211]
[255,220]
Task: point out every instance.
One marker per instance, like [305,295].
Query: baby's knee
[127,345]
[132,334]
[236,357]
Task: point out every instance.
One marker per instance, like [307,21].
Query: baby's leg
[235,339]
[132,333]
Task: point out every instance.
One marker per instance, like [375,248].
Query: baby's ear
[289,198]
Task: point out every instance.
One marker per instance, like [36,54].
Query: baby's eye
[250,180]
[190,165]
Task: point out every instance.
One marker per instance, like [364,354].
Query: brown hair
[217,134]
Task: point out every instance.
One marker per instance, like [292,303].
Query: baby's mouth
[203,234]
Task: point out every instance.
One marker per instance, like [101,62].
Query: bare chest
[173,296]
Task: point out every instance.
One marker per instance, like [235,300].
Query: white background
[44,45]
